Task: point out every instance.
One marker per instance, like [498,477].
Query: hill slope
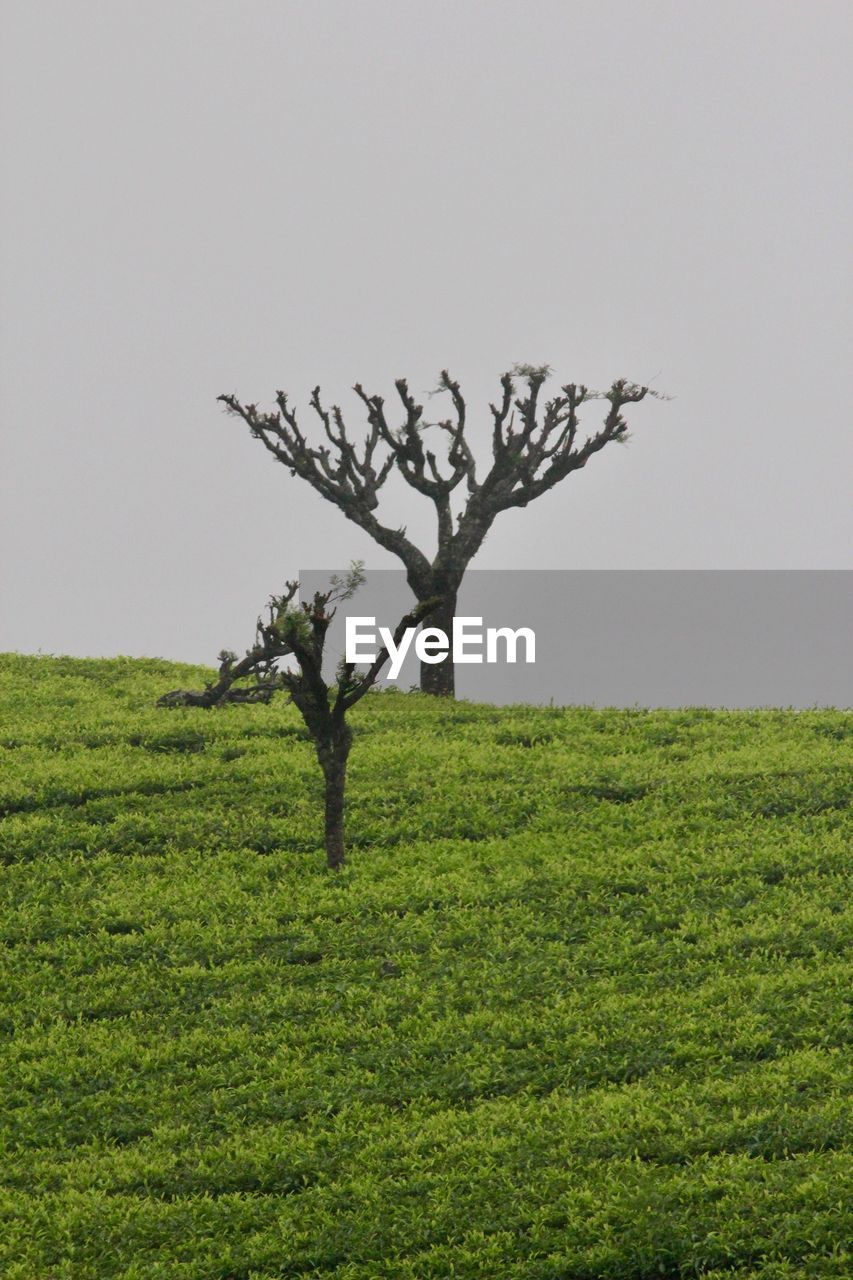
[574,1009]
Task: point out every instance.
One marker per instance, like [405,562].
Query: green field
[575,1009]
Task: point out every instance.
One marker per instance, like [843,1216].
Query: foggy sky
[211,197]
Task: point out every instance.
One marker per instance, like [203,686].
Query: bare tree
[533,447]
[300,630]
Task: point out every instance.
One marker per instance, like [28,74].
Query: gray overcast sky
[201,196]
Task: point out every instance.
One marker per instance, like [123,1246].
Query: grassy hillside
[575,1009]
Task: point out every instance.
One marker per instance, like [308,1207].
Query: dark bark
[333,761]
[438,678]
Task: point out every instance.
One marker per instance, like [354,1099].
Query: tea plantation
[575,1009]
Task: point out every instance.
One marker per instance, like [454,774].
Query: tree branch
[348,693]
[351,481]
[528,459]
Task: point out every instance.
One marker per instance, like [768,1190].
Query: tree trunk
[438,678]
[333,761]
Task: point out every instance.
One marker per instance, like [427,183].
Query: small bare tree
[530,455]
[300,630]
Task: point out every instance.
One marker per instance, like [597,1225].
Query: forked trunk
[438,678]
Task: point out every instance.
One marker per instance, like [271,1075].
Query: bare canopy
[534,446]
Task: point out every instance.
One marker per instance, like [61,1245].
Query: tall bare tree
[533,447]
